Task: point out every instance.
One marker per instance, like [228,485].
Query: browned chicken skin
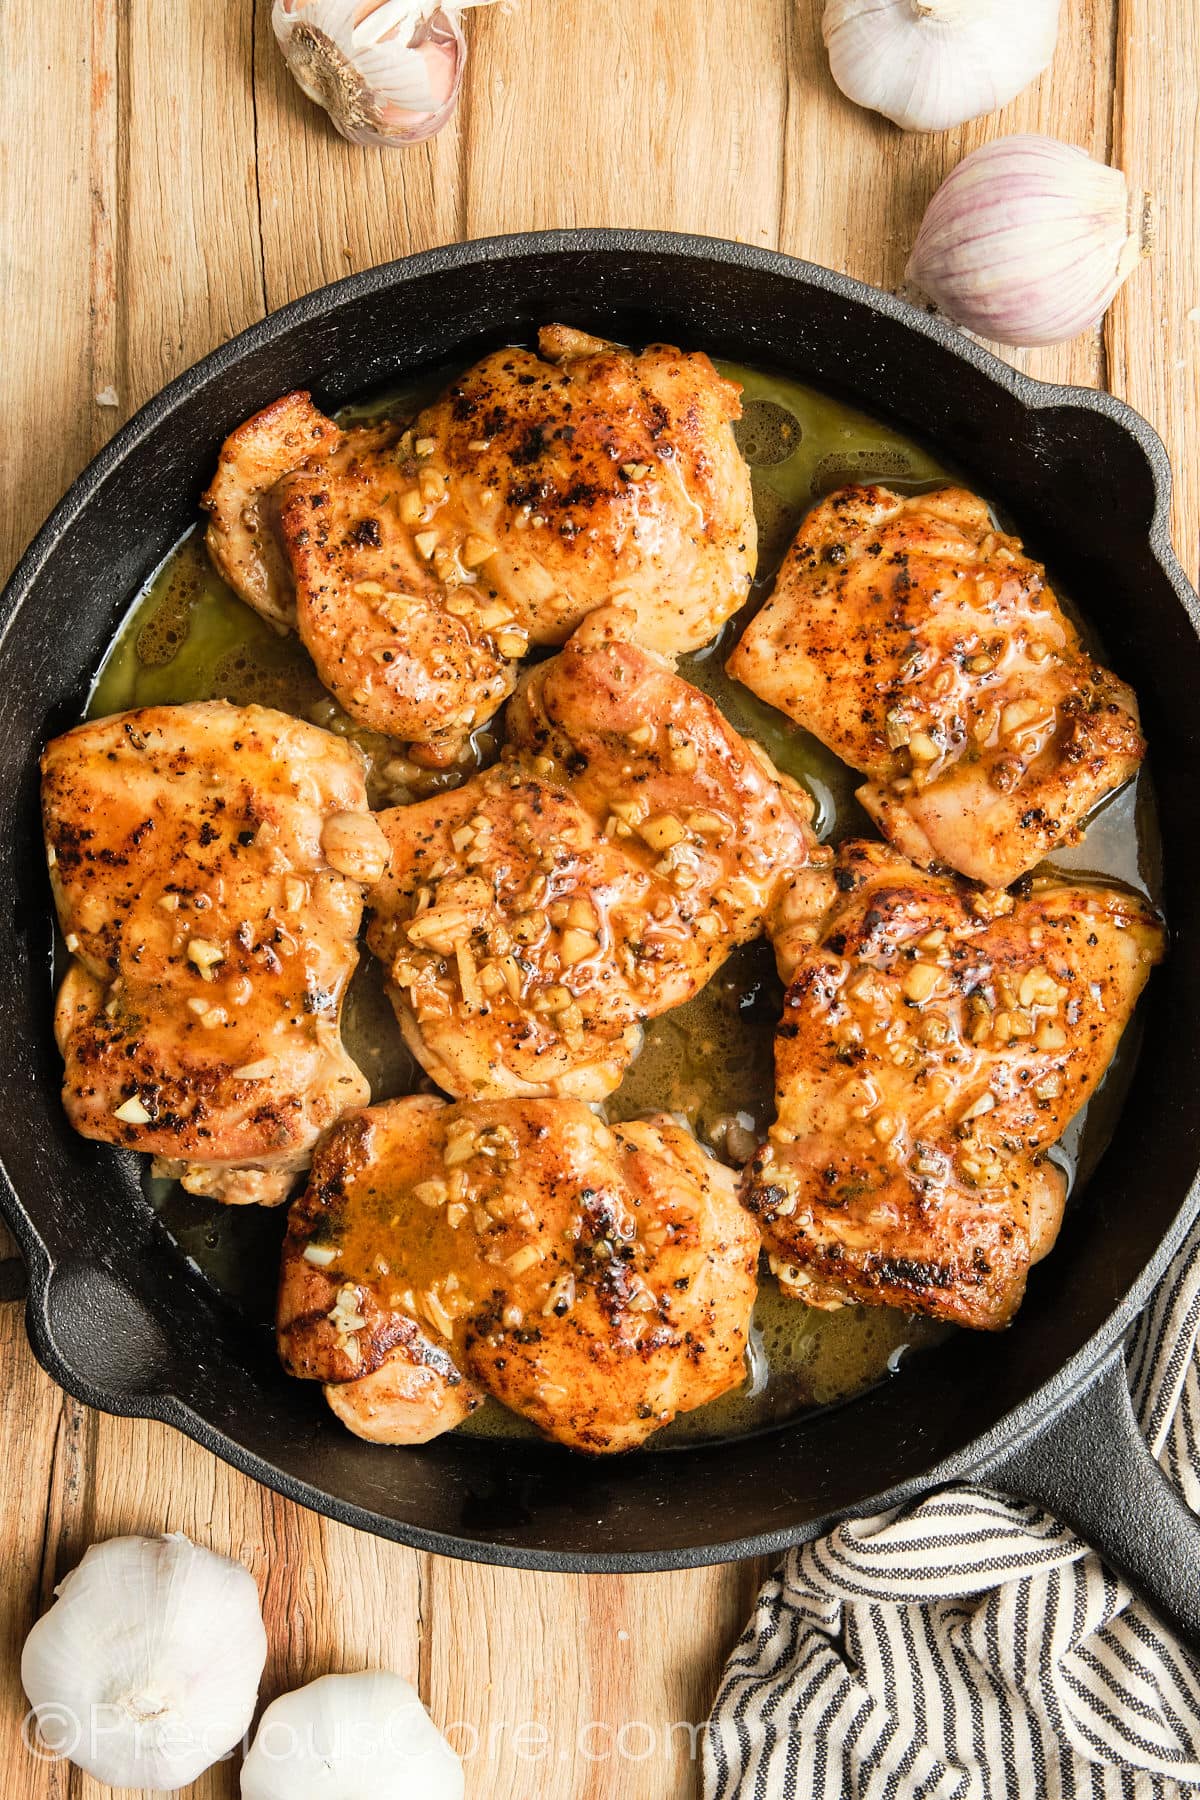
[475,965]
[242,539]
[208,864]
[924,648]
[599,876]
[411,641]
[604,476]
[596,1281]
[935,1042]
[419,566]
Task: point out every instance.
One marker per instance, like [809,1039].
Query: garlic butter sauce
[187,637]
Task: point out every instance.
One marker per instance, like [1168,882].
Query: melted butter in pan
[710,1062]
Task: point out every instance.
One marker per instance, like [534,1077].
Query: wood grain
[654,114]
[1152,332]
[328,208]
[44,201]
[189,263]
[856,187]
[162,183]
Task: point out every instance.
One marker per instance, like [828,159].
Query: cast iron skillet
[119,1318]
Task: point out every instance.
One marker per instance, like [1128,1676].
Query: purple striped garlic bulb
[1027,240]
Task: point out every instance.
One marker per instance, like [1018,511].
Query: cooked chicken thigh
[531,919]
[493,995]
[242,537]
[595,474]
[419,566]
[923,647]
[652,758]
[314,528]
[597,1281]
[410,639]
[935,1042]
[208,864]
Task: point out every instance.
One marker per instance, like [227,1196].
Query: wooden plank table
[162,184]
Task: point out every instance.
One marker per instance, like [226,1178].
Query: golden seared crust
[533,918]
[198,856]
[596,1281]
[925,648]
[641,747]
[241,539]
[935,1042]
[410,640]
[419,565]
[474,956]
[599,474]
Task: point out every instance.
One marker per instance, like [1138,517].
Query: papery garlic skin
[931,64]
[386,71]
[1027,241]
[351,1737]
[145,1670]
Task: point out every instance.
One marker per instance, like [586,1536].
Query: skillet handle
[1092,1468]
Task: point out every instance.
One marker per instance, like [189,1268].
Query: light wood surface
[162,184]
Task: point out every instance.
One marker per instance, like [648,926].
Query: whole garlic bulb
[145,1670]
[931,64]
[386,71]
[348,1736]
[1027,241]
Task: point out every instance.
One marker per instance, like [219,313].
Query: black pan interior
[117,1315]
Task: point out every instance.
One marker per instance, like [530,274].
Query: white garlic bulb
[1027,241]
[931,64]
[145,1670]
[351,1737]
[386,71]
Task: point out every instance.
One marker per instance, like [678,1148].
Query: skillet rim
[1021,1423]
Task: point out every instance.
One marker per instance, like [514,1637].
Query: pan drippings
[187,638]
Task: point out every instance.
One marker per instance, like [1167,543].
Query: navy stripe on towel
[969,1648]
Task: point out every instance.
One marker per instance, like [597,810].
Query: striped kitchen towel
[969,1648]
